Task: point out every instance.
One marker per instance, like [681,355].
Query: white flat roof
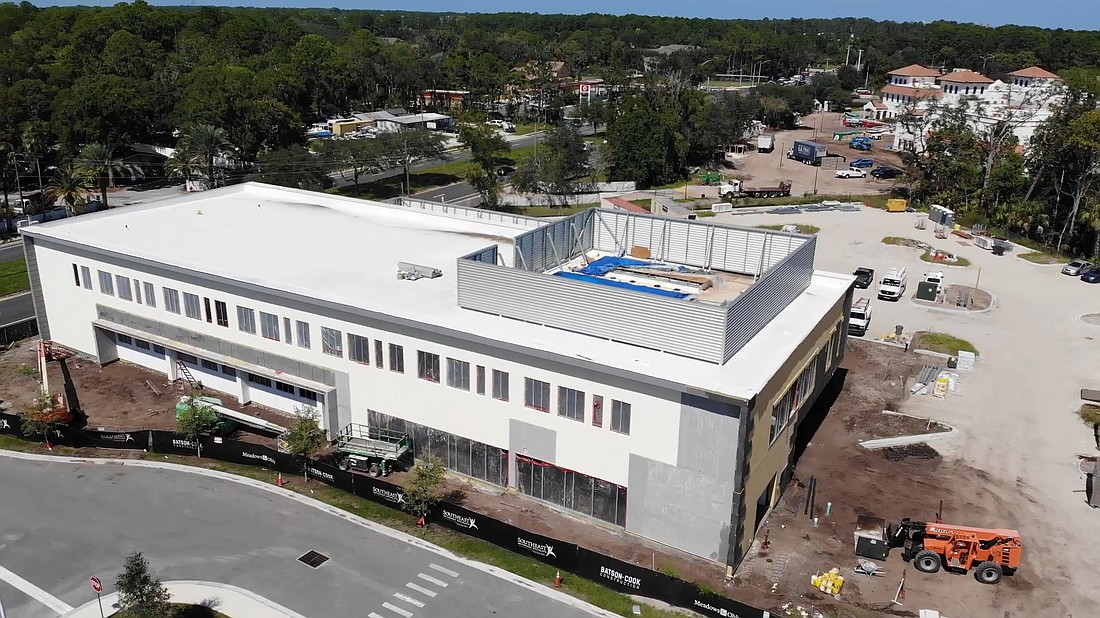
[346,251]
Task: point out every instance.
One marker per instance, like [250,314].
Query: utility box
[872,538]
[927,290]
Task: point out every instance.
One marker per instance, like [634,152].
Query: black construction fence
[568,557]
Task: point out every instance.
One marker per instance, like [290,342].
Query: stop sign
[96,585]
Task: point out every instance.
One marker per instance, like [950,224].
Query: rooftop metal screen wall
[710,332]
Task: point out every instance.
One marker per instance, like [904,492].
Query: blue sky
[1070,14]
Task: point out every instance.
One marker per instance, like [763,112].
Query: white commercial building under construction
[649,372]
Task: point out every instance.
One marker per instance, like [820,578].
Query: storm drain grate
[313,559]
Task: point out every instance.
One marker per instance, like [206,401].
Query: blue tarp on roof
[608,263]
[619,284]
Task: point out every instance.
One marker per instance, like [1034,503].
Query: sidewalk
[229,600]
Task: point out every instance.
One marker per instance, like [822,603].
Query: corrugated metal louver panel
[768,297]
[683,328]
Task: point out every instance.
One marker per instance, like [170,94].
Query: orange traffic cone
[280,481]
[557,580]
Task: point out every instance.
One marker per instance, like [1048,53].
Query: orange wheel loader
[931,546]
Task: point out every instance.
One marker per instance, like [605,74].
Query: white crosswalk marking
[37,593]
[443,570]
[374,615]
[406,598]
[429,578]
[397,610]
[420,589]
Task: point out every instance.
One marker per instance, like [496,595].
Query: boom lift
[992,553]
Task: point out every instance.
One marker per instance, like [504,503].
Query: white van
[892,285]
[859,319]
[937,278]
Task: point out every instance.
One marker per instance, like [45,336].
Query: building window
[571,403]
[171,300]
[106,283]
[620,417]
[246,320]
[427,366]
[137,291]
[150,294]
[358,349]
[378,354]
[597,410]
[331,343]
[141,343]
[127,339]
[222,313]
[86,275]
[788,406]
[269,325]
[287,337]
[536,394]
[500,385]
[397,358]
[76,275]
[229,371]
[191,306]
[206,307]
[305,393]
[458,374]
[284,387]
[187,358]
[125,292]
[211,365]
[480,380]
[303,334]
[262,381]
[159,349]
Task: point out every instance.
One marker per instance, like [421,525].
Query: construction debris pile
[938,380]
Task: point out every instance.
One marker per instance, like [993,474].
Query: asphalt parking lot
[1016,412]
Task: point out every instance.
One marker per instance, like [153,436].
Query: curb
[991,307]
[1037,265]
[110,600]
[397,535]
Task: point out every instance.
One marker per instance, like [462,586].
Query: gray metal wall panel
[678,507]
[542,248]
[768,297]
[685,328]
[532,441]
[708,445]
[36,287]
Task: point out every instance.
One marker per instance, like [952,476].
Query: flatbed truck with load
[370,449]
[859,318]
[735,189]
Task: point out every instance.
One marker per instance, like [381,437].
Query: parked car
[506,170]
[885,172]
[1076,268]
[864,277]
[1092,275]
[851,172]
[862,163]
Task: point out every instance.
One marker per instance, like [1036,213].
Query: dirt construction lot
[765,168]
[1012,462]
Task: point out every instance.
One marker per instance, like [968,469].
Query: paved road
[11,251]
[62,522]
[16,308]
[461,193]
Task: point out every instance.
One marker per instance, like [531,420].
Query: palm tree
[69,184]
[207,143]
[97,161]
[183,163]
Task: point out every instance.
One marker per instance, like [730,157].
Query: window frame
[427,366]
[500,385]
[530,400]
[172,300]
[358,349]
[188,310]
[221,312]
[379,353]
[86,276]
[106,283]
[458,374]
[288,333]
[618,408]
[332,342]
[303,334]
[397,358]
[150,294]
[123,283]
[246,320]
[597,411]
[571,403]
[267,321]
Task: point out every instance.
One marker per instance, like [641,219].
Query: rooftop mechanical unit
[412,272]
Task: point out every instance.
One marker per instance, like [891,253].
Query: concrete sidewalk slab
[229,600]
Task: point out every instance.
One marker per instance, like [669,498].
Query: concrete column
[244,396]
[173,369]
